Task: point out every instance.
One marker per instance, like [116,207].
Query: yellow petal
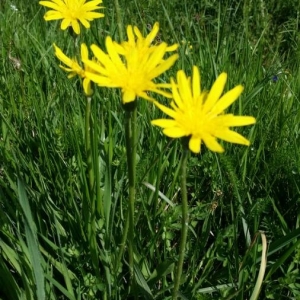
[196,83]
[164,66]
[65,24]
[232,137]
[164,85]
[119,48]
[166,110]
[184,87]
[145,96]
[93,15]
[161,92]
[84,22]
[95,67]
[130,34]
[73,73]
[101,56]
[91,5]
[157,56]
[87,87]
[231,120]
[227,99]
[52,15]
[138,34]
[177,98]
[75,26]
[62,57]
[113,54]
[174,132]
[164,123]
[151,36]
[128,96]
[100,80]
[172,48]
[84,51]
[211,143]
[215,92]
[195,144]
[51,5]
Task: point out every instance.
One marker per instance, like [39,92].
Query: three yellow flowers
[133,65]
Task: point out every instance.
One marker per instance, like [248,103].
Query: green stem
[184,224]
[119,20]
[122,244]
[91,222]
[98,204]
[130,133]
[88,145]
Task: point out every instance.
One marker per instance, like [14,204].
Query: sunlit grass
[231,196]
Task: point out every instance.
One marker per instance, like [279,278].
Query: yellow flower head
[200,115]
[72,11]
[74,68]
[132,65]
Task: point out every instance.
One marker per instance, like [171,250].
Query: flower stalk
[91,225]
[184,223]
[130,143]
[119,19]
[130,135]
[88,144]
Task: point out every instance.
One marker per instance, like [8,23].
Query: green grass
[45,249]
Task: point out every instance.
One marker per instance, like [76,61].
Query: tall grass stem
[119,19]
[130,128]
[184,223]
[88,146]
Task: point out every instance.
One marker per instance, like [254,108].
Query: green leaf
[32,242]
[165,268]
[142,284]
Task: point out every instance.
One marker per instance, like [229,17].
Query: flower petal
[84,51]
[227,99]
[184,87]
[164,123]
[84,22]
[212,144]
[62,57]
[215,92]
[195,144]
[164,66]
[54,6]
[166,110]
[174,132]
[231,120]
[232,137]
[128,96]
[196,83]
[75,26]
[100,80]
[153,33]
[52,15]
[65,24]
[87,87]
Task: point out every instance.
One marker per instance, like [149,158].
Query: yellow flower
[74,68]
[132,65]
[200,115]
[72,11]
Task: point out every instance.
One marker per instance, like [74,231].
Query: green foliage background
[44,252]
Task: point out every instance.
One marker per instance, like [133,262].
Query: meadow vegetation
[45,247]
